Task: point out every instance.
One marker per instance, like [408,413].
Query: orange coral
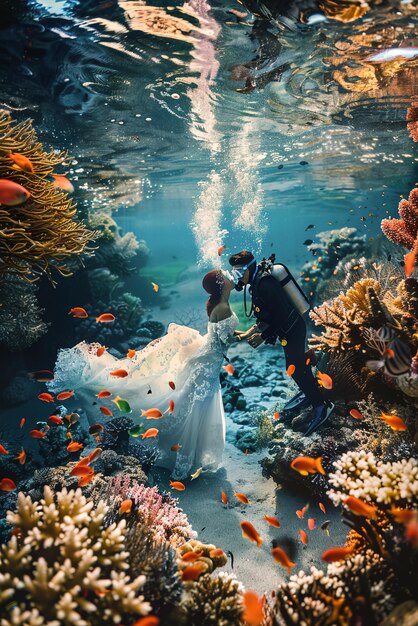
[404,231]
[412,119]
[41,233]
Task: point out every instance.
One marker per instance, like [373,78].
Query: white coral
[67,567]
[361,474]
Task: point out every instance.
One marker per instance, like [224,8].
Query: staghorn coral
[344,317]
[21,323]
[404,231]
[65,566]
[215,601]
[362,475]
[41,233]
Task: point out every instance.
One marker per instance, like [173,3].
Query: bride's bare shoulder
[220,312]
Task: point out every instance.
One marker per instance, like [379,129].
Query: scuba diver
[278,305]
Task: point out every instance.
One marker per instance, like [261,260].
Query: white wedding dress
[182,356]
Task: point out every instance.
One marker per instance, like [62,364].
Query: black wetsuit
[277,318]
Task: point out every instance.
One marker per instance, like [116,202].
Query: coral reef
[19,390]
[215,601]
[412,121]
[41,233]
[21,323]
[65,565]
[403,231]
[332,250]
[211,562]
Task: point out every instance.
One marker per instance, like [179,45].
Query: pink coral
[404,231]
[166,519]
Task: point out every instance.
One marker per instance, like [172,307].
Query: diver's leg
[294,352]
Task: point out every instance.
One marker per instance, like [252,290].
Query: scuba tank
[281,273]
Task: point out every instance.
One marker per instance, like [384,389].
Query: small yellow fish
[155,287]
[197,473]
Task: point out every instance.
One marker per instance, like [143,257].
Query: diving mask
[238,273]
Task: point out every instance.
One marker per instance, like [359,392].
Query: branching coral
[215,601]
[344,316]
[41,233]
[362,475]
[404,231]
[65,566]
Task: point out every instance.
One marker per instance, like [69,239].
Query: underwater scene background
[142,143]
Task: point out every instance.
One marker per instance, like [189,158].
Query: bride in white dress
[182,358]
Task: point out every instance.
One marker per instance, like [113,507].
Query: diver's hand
[255,340]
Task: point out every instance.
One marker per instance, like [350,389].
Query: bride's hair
[213,283]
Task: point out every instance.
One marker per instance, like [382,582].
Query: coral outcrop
[404,231]
[40,234]
[215,601]
[64,565]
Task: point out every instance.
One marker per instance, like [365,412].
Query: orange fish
[126,506]
[242,497]
[276,415]
[176,484]
[172,385]
[224,498]
[131,353]
[311,523]
[303,537]
[220,250]
[395,422]
[22,162]
[409,262]
[336,554]
[83,460]
[216,552]
[356,414]
[7,484]
[64,395]
[106,411]
[101,351]
[253,608]
[85,480]
[155,287]
[324,380]
[12,194]
[94,455]
[249,532]
[402,516]
[55,419]
[281,557]
[151,414]
[103,394]
[3,449]
[290,370]
[273,521]
[62,182]
[74,446]
[246,452]
[151,432]
[171,406]
[192,572]
[37,434]
[78,312]
[301,513]
[81,470]
[22,422]
[307,465]
[191,556]
[358,507]
[322,507]
[149,620]
[229,369]
[21,457]
[411,532]
[119,373]
[46,397]
[175,447]
[105,318]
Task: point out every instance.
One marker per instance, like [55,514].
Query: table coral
[404,231]
[41,233]
[66,566]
